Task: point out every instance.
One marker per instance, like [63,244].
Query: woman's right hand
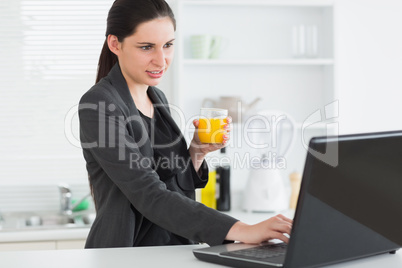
[273,228]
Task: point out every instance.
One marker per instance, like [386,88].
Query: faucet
[65,199]
[66,205]
[1,220]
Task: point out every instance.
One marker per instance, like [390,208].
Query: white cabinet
[70,244]
[43,245]
[35,245]
[257,55]
[258,59]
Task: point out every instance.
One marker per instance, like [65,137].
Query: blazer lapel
[164,109]
[119,83]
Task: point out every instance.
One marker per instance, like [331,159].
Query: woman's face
[145,56]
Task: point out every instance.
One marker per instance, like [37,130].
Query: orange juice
[210,130]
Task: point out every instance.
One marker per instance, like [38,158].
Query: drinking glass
[211,127]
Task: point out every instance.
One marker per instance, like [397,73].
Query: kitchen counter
[26,235]
[168,256]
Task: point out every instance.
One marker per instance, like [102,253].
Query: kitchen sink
[45,220]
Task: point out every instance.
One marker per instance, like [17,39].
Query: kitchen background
[49,51]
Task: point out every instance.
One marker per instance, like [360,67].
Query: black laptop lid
[350,201]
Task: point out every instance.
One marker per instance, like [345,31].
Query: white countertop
[168,256]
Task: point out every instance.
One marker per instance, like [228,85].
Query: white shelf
[306,126]
[294,3]
[259,62]
[257,55]
[319,125]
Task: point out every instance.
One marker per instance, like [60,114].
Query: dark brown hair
[122,21]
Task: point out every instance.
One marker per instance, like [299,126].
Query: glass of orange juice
[211,127]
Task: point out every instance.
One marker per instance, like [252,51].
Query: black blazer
[134,206]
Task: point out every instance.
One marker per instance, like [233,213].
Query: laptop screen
[366,183]
[350,199]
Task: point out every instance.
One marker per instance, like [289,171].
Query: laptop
[349,207]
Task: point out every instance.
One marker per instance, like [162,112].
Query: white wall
[369,64]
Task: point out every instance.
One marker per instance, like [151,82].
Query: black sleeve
[200,178]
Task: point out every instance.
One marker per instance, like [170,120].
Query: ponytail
[107,60]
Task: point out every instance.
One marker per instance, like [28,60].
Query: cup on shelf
[305,41]
[206,46]
[311,41]
[216,47]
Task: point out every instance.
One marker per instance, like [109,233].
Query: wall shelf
[257,55]
[259,62]
[292,3]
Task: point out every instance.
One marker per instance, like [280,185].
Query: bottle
[223,185]
[208,193]
[295,181]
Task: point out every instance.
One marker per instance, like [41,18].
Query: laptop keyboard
[259,252]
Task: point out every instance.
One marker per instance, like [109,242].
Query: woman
[141,173]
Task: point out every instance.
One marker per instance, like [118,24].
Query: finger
[281,237]
[286,229]
[282,226]
[227,127]
[196,123]
[284,218]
